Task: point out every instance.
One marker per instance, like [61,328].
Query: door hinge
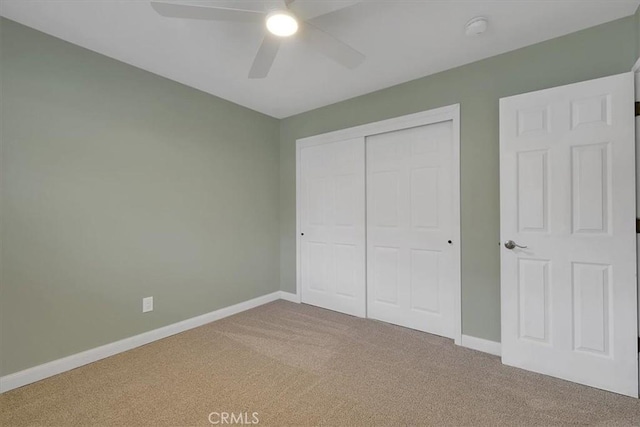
[638,227]
[637,109]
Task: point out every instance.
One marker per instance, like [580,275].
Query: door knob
[510,244]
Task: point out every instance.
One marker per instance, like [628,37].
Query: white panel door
[567,193]
[332,226]
[411,270]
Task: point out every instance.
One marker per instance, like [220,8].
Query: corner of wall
[280,203]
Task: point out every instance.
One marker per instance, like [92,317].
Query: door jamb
[636,75]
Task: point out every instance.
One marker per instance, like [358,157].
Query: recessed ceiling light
[476,26]
[282,23]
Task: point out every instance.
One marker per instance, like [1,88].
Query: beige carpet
[300,365]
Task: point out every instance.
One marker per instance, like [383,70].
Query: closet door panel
[410,263]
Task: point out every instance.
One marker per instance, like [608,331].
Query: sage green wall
[638,32]
[595,52]
[118,184]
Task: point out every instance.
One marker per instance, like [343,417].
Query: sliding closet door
[331,225]
[411,266]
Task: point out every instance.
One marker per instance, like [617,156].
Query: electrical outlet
[147,304]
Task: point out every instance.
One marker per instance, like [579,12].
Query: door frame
[437,115]
[636,75]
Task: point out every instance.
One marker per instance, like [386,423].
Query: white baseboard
[288,296]
[480,344]
[40,372]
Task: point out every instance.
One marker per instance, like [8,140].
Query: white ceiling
[403,40]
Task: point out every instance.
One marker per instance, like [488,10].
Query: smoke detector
[476,26]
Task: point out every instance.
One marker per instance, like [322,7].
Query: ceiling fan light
[282,24]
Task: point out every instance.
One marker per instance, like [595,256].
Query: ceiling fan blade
[315,9]
[187,11]
[264,58]
[331,47]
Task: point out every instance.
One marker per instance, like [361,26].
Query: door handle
[510,244]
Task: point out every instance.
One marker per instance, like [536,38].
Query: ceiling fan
[280,23]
